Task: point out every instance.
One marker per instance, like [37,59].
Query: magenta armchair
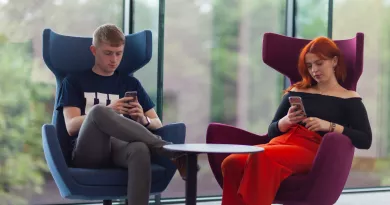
[325,182]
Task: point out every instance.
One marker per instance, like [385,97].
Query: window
[146,18]
[213,68]
[312,18]
[27,88]
[370,168]
[213,72]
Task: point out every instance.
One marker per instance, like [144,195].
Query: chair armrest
[225,134]
[55,159]
[331,167]
[218,133]
[174,133]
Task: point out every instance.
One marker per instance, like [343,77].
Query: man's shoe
[181,164]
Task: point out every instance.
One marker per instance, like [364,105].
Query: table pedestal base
[191,182]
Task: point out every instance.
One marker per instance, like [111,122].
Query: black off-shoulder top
[348,112]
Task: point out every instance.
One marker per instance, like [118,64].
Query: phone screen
[131,94]
[297,101]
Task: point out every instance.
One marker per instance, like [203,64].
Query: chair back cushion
[282,54]
[66,55]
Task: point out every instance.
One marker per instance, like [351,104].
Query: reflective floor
[367,198]
[378,198]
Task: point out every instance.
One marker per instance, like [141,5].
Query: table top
[213,148]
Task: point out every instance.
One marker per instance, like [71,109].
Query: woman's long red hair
[325,49]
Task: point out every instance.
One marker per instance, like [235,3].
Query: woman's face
[321,70]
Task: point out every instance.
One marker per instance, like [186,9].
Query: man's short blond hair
[110,34]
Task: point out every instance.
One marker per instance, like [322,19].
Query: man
[94,107]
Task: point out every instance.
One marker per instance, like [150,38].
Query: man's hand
[121,106]
[136,112]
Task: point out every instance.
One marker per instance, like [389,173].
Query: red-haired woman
[253,179]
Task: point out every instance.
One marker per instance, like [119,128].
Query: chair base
[157,199]
[107,202]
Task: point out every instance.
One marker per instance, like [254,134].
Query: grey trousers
[107,138]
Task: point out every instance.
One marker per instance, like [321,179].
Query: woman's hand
[316,124]
[294,116]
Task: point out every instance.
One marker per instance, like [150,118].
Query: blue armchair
[68,54]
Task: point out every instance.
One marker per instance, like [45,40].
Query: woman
[253,179]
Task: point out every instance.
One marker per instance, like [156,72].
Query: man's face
[107,57]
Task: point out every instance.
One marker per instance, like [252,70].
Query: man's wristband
[148,121]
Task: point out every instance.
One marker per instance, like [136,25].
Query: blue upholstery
[108,177]
[68,54]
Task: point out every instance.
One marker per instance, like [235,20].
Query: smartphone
[297,101]
[131,94]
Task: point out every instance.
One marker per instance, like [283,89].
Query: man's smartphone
[131,94]
[297,102]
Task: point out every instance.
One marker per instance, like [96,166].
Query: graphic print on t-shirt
[94,98]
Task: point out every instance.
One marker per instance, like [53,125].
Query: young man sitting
[111,128]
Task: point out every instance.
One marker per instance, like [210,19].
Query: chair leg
[107,202]
[157,199]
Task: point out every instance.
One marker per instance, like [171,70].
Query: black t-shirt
[348,112]
[87,89]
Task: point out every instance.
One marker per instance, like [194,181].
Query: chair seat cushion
[295,182]
[294,188]
[110,177]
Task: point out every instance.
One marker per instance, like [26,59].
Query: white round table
[192,151]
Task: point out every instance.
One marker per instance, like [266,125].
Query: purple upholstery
[282,53]
[325,182]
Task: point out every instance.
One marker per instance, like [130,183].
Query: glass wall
[311,18]
[213,71]
[370,168]
[27,88]
[146,18]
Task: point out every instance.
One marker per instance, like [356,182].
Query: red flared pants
[253,179]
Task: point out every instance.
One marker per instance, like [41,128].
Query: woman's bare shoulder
[351,94]
[305,90]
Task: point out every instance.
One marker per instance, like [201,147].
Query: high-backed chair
[68,54]
[326,180]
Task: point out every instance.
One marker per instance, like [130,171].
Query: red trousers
[254,179]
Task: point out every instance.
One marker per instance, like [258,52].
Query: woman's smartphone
[297,102]
[131,94]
